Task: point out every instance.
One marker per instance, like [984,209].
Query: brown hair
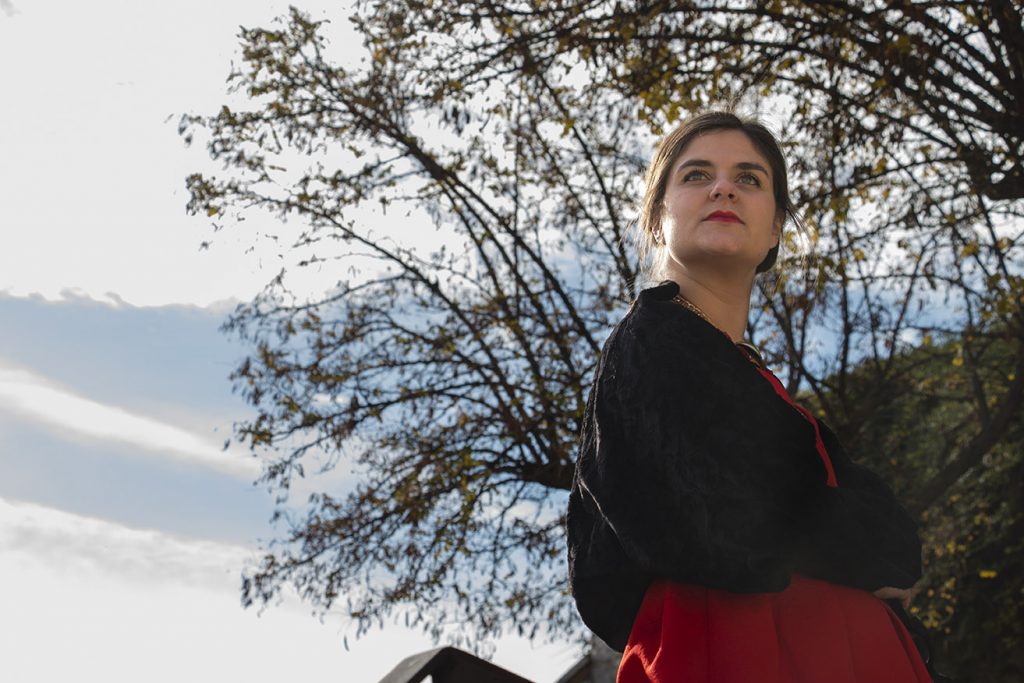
[671,147]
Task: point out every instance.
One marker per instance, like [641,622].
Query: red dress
[812,632]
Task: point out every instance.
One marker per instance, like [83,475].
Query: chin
[717,261]
[722,250]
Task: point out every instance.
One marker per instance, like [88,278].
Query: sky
[124,524]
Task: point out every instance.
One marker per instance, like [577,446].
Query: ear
[777,228]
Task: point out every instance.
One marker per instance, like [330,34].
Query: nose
[723,186]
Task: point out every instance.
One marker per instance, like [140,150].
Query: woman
[717,531]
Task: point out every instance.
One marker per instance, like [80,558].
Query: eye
[750,179]
[694,175]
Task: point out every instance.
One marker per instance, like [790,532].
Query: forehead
[723,148]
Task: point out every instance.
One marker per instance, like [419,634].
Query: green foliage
[974,545]
[970,597]
[451,381]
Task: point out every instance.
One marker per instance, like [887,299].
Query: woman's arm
[862,536]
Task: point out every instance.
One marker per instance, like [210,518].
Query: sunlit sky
[123,524]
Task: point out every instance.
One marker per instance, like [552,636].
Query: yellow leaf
[970,249]
[858,255]
[212,211]
[988,573]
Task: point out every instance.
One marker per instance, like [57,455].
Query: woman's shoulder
[661,348]
[656,322]
[663,291]
[656,299]
[651,308]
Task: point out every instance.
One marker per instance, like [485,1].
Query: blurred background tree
[450,379]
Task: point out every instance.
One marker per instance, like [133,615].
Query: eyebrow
[743,165]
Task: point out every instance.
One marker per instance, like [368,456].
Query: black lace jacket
[693,469]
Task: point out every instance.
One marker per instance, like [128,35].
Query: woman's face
[719,207]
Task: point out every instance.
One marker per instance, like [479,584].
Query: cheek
[668,217]
[676,210]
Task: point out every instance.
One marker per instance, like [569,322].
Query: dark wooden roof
[449,665]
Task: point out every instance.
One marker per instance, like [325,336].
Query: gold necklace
[686,303]
[753,354]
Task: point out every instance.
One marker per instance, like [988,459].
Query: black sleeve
[861,535]
[694,465]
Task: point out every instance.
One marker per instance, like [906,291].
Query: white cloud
[88,600]
[93,174]
[44,401]
[91,547]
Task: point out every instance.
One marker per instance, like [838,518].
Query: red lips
[723,217]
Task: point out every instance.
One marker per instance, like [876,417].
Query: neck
[724,300]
